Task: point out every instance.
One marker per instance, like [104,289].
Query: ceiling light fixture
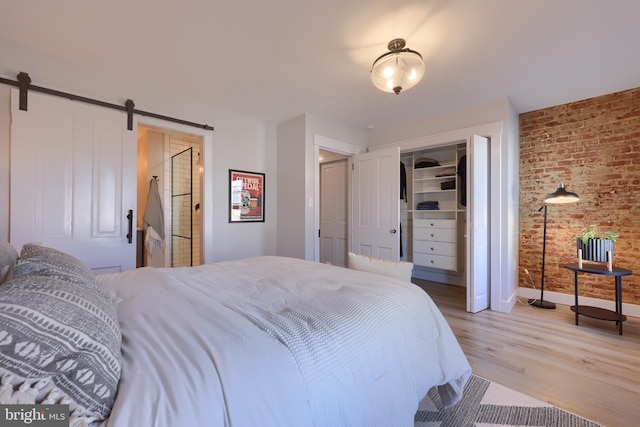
[399,69]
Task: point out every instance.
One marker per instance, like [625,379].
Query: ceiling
[274,59]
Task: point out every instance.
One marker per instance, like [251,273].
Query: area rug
[488,404]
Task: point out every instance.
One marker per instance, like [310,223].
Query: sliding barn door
[376,204]
[73,180]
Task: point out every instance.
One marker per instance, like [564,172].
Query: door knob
[392,231]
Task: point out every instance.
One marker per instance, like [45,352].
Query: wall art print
[246,196]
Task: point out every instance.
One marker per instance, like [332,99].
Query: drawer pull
[432,249]
[431,261]
[432,224]
[431,234]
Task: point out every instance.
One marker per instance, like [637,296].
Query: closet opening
[433,212]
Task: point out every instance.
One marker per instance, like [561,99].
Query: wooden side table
[597,312]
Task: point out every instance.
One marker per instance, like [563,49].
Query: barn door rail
[23,82]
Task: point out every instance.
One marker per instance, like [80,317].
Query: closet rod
[24,84]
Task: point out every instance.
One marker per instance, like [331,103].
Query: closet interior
[433,212]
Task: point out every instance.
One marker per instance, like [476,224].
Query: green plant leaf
[593,232]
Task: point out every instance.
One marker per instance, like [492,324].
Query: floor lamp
[559,196]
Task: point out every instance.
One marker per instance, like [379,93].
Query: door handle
[130,234]
[392,231]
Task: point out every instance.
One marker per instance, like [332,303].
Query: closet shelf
[431,210]
[434,178]
[435,191]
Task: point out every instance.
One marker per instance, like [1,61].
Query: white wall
[510,242]
[292,204]
[476,115]
[238,142]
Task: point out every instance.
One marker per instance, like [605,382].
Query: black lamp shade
[561,196]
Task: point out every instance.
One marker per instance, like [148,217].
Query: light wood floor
[588,370]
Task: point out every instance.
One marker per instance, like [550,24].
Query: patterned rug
[488,404]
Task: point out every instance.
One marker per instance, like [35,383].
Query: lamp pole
[560,196]
[541,302]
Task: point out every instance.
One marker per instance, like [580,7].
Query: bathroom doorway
[173,159]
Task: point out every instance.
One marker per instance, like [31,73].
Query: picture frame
[246,196]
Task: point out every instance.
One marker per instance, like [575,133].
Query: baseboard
[632,310]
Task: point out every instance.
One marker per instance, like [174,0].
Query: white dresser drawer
[434,248]
[435,234]
[434,223]
[435,261]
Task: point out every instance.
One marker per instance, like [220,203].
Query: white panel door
[333,212]
[73,180]
[477,224]
[376,204]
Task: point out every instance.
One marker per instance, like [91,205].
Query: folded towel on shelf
[448,185]
[430,205]
[425,162]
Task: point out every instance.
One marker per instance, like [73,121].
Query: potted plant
[595,244]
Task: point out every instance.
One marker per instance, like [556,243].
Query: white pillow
[397,269]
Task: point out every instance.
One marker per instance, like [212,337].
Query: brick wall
[593,146]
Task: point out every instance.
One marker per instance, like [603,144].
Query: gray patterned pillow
[8,257]
[49,262]
[59,337]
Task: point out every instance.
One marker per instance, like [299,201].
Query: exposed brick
[593,146]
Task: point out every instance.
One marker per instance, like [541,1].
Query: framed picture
[246,196]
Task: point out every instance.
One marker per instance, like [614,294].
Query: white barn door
[73,180]
[478,224]
[376,204]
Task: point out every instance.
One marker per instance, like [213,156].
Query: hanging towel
[153,219]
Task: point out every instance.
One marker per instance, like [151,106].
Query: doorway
[331,149]
[333,208]
[174,160]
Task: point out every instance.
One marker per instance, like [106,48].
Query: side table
[597,312]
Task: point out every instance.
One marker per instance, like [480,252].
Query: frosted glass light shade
[397,70]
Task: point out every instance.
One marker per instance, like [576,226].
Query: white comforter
[272,341]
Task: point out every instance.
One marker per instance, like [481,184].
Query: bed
[263,341]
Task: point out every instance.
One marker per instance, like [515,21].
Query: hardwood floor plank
[589,370]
